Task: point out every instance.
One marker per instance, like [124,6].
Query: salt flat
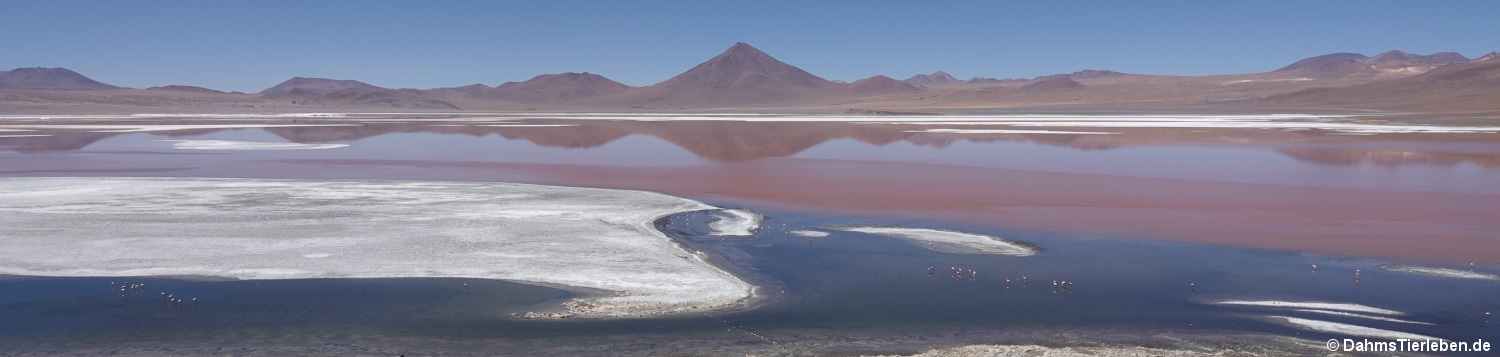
[296,229]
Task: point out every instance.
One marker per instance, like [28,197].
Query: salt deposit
[597,239]
[950,241]
[1004,131]
[1314,305]
[525,125]
[1349,330]
[1440,272]
[1341,313]
[246,145]
[22,136]
[735,222]
[809,233]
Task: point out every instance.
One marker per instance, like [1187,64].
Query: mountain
[1335,69]
[561,86]
[1402,59]
[1315,61]
[48,79]
[879,85]
[740,76]
[1061,83]
[188,89]
[1084,74]
[1093,74]
[993,80]
[313,85]
[1473,85]
[1490,56]
[938,77]
[373,96]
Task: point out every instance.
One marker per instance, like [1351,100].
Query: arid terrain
[743,78]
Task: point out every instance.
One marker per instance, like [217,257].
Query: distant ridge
[561,86]
[314,85]
[935,78]
[1473,85]
[1055,84]
[39,78]
[1084,74]
[1315,61]
[183,88]
[1399,59]
[879,85]
[1394,59]
[372,96]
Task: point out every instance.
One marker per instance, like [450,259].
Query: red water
[1402,196]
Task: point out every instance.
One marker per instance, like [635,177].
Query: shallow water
[1131,218]
[849,285]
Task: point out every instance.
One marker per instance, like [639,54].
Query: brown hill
[935,78]
[561,86]
[1316,61]
[314,85]
[376,97]
[188,89]
[48,79]
[741,76]
[1460,86]
[878,85]
[1336,69]
[1054,84]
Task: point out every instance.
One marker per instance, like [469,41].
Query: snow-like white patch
[22,136]
[735,222]
[1268,80]
[1440,272]
[1336,306]
[950,241]
[1350,330]
[136,128]
[1341,313]
[316,255]
[269,229]
[809,233]
[1004,131]
[16,130]
[525,125]
[246,145]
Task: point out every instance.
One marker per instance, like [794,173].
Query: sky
[251,45]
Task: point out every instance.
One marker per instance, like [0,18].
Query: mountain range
[745,77]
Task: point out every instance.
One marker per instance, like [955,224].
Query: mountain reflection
[737,141]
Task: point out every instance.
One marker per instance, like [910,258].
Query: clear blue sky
[250,45]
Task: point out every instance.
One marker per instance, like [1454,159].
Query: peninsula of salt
[595,239]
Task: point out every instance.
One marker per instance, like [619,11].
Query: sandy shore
[593,239]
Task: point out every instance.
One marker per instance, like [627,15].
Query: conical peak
[743,50]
